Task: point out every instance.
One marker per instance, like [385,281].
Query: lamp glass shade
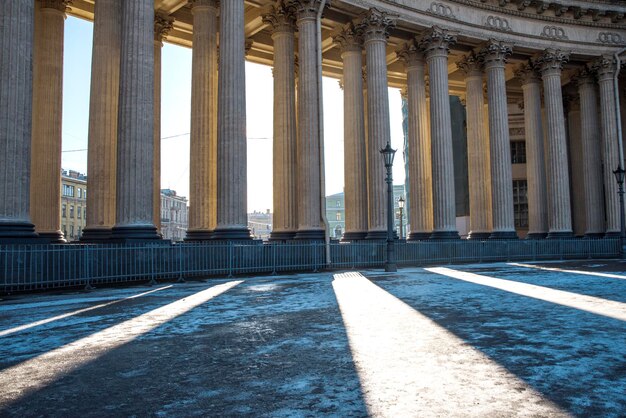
[401,202]
[619,175]
[388,154]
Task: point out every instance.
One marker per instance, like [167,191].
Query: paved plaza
[464,340]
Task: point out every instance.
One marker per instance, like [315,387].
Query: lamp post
[388,154]
[619,177]
[401,206]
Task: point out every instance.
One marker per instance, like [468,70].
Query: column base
[310,234]
[198,235]
[353,236]
[503,235]
[537,235]
[55,237]
[390,267]
[593,235]
[444,235]
[378,235]
[419,236]
[282,235]
[134,233]
[481,236]
[18,233]
[231,234]
[560,235]
[613,234]
[96,235]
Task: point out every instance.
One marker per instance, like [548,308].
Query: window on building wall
[85,214]
[71,231]
[520,203]
[85,193]
[338,231]
[64,229]
[63,210]
[338,216]
[68,190]
[518,152]
[71,211]
[80,231]
[338,203]
[80,193]
[78,212]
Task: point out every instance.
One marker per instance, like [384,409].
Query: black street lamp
[388,154]
[401,206]
[619,177]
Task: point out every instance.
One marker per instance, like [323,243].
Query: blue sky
[175,119]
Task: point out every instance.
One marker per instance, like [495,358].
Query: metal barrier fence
[31,267]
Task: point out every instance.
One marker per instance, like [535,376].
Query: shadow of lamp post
[388,154]
[619,176]
[401,206]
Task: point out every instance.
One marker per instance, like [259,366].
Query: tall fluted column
[45,193]
[203,141]
[135,146]
[478,152]
[494,56]
[162,26]
[550,64]
[577,189]
[16,57]
[435,43]
[103,113]
[355,162]
[285,220]
[591,154]
[374,27]
[310,222]
[420,164]
[232,183]
[535,163]
[605,68]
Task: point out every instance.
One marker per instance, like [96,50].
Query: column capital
[374,25]
[163,24]
[551,61]
[437,41]
[60,5]
[349,38]
[584,76]
[495,53]
[305,9]
[471,65]
[527,74]
[410,54]
[213,4]
[604,67]
[281,18]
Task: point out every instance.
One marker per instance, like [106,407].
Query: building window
[79,232]
[518,152]
[520,203]
[85,193]
[85,213]
[63,210]
[338,231]
[68,190]
[71,211]
[80,193]
[78,211]
[338,216]
[71,231]
[64,228]
[338,203]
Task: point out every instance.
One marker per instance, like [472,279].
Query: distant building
[260,224]
[336,213]
[174,215]
[73,204]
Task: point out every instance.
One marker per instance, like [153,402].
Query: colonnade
[124,132]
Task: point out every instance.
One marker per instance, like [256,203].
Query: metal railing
[33,267]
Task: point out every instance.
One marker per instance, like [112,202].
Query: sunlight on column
[598,306]
[410,366]
[34,374]
[73,313]
[589,273]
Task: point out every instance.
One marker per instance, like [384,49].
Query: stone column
[419,157]
[478,152]
[535,163]
[435,43]
[162,26]
[45,193]
[16,94]
[285,220]
[232,182]
[577,189]
[355,158]
[135,146]
[203,141]
[591,154]
[103,112]
[374,26]
[605,68]
[550,64]
[310,223]
[494,55]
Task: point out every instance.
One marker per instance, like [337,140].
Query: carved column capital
[604,67]
[551,61]
[374,25]
[281,18]
[60,5]
[410,54]
[527,74]
[349,38]
[471,65]
[305,9]
[437,41]
[163,24]
[585,76]
[495,53]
